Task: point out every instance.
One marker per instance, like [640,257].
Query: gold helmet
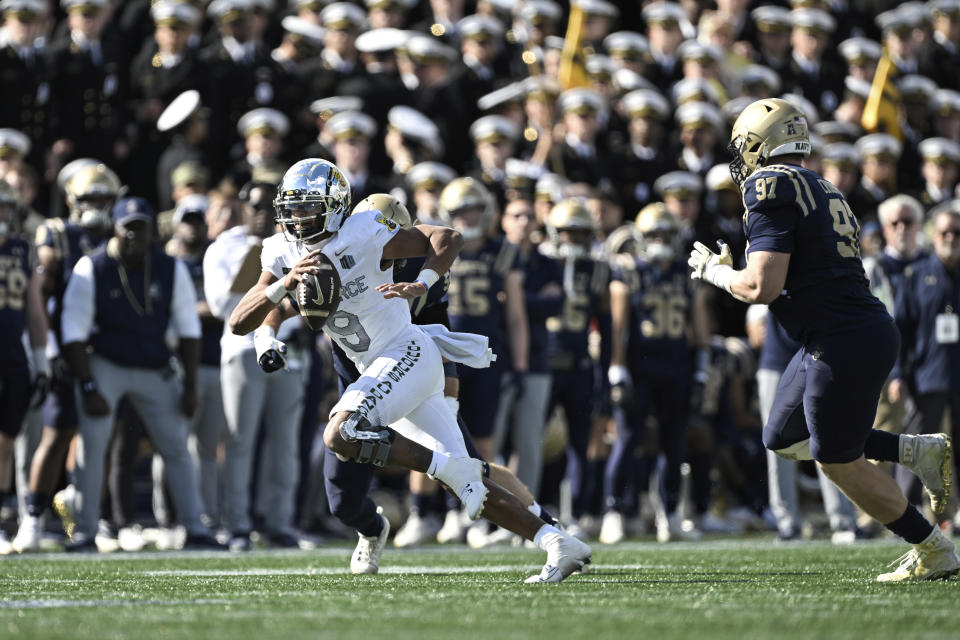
[767,128]
[462,194]
[91,193]
[389,206]
[9,200]
[622,240]
[571,215]
[658,231]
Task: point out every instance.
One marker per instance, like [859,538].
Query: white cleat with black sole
[465,477]
[565,554]
[366,555]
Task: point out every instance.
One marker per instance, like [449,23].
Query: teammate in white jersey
[401,383]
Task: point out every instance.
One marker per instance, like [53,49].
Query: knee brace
[374,441]
[798,451]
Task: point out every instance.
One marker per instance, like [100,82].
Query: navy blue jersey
[585,285]
[792,210]
[16,265]
[69,242]
[660,307]
[538,272]
[476,287]
[778,347]
[928,290]
[211,327]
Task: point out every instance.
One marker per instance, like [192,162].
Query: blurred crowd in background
[593,134]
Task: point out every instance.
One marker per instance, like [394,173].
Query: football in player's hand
[318,295]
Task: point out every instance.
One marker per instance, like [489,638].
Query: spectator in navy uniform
[188,123]
[642,158]
[581,111]
[665,23]
[879,153]
[942,59]
[120,301]
[88,87]
[338,61]
[928,369]
[21,308]
[941,158]
[24,74]
[494,139]
[811,72]
[164,68]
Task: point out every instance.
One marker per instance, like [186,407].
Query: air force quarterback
[395,413]
[803,259]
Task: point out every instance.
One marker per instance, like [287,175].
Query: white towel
[470,349]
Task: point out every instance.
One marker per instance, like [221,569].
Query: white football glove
[717,269]
[271,353]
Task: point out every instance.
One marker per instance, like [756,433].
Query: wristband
[88,386]
[275,292]
[721,276]
[428,278]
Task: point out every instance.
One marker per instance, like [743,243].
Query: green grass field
[738,589]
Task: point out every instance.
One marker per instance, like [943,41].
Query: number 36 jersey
[365,323]
[793,210]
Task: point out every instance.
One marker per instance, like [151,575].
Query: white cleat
[29,535]
[611,530]
[465,477]
[454,527]
[565,554]
[480,536]
[928,456]
[935,559]
[366,556]
[674,528]
[416,530]
[131,538]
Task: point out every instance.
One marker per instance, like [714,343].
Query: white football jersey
[365,323]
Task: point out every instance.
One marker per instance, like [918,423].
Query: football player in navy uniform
[90,192]
[585,279]
[803,259]
[650,369]
[21,305]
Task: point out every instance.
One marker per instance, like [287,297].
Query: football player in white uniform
[401,383]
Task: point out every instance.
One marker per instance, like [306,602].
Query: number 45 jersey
[793,210]
[366,323]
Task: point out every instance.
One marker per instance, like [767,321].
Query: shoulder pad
[775,187]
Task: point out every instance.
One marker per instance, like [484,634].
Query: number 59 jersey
[793,210]
[366,323]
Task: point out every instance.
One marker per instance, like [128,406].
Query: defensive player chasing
[401,383]
[803,259]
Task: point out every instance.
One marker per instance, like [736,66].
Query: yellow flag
[573,69]
[881,113]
